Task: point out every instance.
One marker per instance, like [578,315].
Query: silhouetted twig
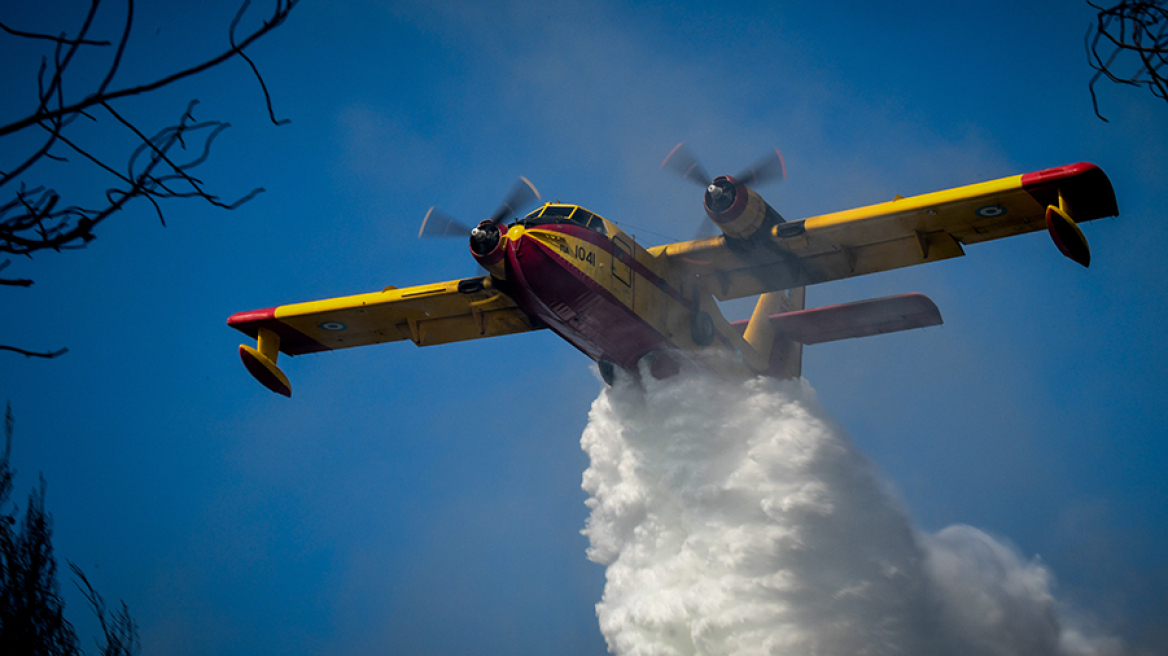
[31,354]
[119,629]
[35,216]
[1125,31]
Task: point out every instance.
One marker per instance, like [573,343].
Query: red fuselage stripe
[576,307]
[629,259]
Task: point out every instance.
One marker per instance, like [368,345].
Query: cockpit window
[564,214]
[556,213]
[596,224]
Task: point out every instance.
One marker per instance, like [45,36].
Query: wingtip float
[564,268]
[261,360]
[1089,197]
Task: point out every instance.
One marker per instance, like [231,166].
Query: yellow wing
[429,314]
[899,233]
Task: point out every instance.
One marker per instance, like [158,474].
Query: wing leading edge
[899,233]
[440,313]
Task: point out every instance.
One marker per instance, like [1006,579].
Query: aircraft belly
[577,307]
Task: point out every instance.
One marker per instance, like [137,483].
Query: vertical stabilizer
[785,357]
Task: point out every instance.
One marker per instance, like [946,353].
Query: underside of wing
[899,233]
[441,313]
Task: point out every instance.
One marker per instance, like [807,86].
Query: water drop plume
[737,518]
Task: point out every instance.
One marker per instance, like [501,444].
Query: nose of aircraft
[484,237]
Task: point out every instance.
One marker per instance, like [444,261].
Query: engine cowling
[486,245]
[738,210]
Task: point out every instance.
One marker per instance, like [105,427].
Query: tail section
[780,326]
[874,316]
[783,355]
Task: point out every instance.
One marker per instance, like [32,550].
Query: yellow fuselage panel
[628,273]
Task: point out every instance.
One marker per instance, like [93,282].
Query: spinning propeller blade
[522,194]
[768,169]
[440,224]
[706,229]
[682,161]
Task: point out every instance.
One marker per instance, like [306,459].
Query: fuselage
[593,285]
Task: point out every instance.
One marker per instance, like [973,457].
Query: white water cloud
[738,519]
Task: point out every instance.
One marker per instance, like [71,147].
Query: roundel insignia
[333,326]
[990,211]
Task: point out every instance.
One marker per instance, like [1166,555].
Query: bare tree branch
[35,217]
[47,37]
[1126,31]
[283,8]
[13,282]
[30,354]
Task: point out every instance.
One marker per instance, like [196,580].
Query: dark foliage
[32,613]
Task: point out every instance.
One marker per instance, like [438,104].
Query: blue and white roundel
[333,326]
[990,211]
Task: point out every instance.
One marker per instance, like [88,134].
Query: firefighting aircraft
[567,269]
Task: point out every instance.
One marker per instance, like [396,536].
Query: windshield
[571,214]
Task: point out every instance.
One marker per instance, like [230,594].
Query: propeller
[440,224]
[720,192]
[771,168]
[522,194]
[683,162]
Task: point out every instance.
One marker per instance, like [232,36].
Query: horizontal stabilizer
[859,319]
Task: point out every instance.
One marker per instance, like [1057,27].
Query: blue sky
[428,500]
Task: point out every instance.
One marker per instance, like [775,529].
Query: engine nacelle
[486,245]
[738,210]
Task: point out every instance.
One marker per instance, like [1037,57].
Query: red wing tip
[1057,173]
[251,316]
[1084,186]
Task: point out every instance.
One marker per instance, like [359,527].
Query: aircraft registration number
[585,255]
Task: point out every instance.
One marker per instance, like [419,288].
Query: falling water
[737,518]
